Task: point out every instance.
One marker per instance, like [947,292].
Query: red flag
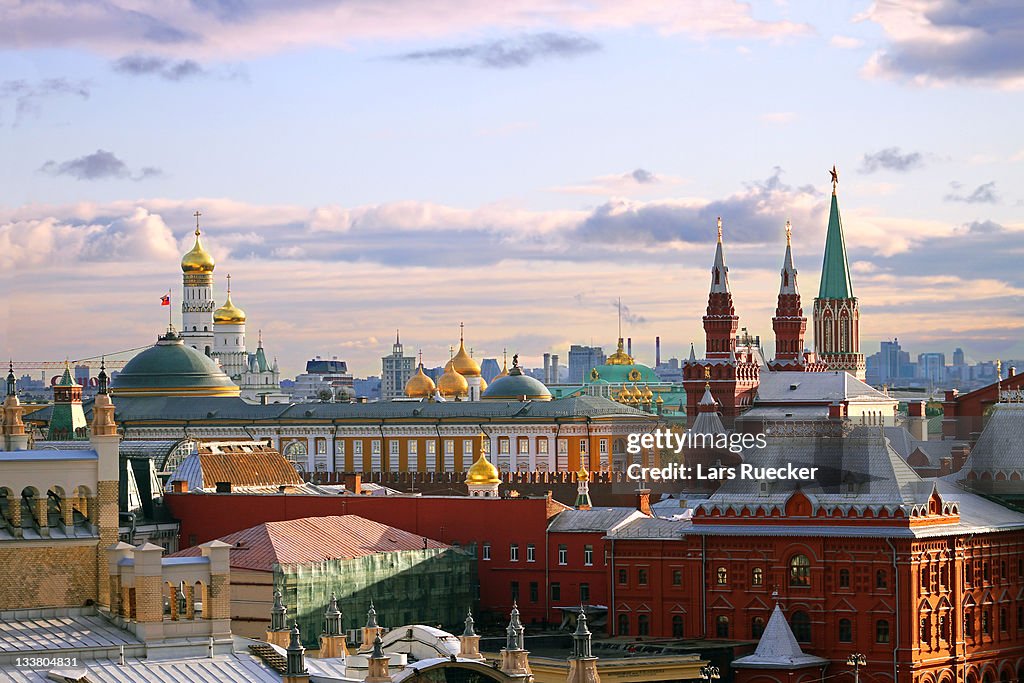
[165,300]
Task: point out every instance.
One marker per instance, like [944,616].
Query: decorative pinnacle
[462,329]
[229,284]
[835,178]
[719,229]
[789,234]
[197,214]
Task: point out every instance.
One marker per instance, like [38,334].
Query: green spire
[835,270]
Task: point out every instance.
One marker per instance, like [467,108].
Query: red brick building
[922,577]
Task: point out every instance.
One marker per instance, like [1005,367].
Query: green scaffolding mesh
[433,586]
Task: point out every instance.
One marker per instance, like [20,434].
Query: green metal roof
[835,270]
[170,366]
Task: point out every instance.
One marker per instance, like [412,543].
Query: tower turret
[582,663]
[514,657]
[721,321]
[14,436]
[789,322]
[197,296]
[836,309]
[295,659]
[332,640]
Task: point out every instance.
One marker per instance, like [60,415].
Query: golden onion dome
[504,370]
[620,357]
[419,385]
[452,384]
[636,392]
[464,363]
[583,474]
[197,260]
[483,385]
[229,313]
[648,394]
[483,472]
[659,400]
[624,393]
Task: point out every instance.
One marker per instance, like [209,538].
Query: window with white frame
[339,455]
[513,552]
[486,551]
[431,460]
[531,552]
[524,445]
[449,455]
[375,455]
[393,447]
[542,445]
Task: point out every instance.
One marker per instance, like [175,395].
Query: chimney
[917,422]
[643,501]
[223,487]
[179,486]
[554,368]
[353,483]
[835,411]
[657,351]
[1011,372]
[547,368]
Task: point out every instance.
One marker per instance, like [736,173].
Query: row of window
[556,592]
[800,623]
[971,571]
[531,553]
[799,575]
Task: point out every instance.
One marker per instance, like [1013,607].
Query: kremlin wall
[285,513]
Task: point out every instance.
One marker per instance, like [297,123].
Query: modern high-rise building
[583,359]
[932,367]
[396,370]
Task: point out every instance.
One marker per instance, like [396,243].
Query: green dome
[170,368]
[514,386]
[623,374]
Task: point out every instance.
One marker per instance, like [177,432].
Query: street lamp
[856,660]
[709,672]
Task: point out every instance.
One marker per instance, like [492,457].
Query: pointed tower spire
[789,322]
[101,379]
[12,381]
[720,271]
[836,310]
[835,269]
[295,662]
[278,613]
[581,638]
[515,630]
[332,617]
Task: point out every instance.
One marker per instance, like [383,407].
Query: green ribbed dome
[620,374]
[514,386]
[171,368]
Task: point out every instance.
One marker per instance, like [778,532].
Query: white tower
[229,337]
[197,296]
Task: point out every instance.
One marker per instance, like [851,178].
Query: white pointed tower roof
[720,271]
[787,284]
[778,648]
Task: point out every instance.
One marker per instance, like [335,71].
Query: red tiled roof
[313,539]
[262,468]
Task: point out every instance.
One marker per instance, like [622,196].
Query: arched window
[723,576]
[799,571]
[845,631]
[643,625]
[882,631]
[844,578]
[881,579]
[722,627]
[757,577]
[677,626]
[756,627]
[926,630]
[623,624]
[801,625]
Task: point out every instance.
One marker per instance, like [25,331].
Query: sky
[363,166]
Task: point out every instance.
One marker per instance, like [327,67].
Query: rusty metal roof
[244,465]
[313,539]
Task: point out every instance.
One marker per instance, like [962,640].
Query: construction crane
[94,362]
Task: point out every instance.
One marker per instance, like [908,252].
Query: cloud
[508,53]
[983,194]
[140,65]
[845,42]
[637,181]
[940,41]
[205,30]
[100,165]
[891,159]
[28,96]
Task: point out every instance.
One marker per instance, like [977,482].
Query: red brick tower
[731,371]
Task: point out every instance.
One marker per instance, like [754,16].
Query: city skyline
[518,170]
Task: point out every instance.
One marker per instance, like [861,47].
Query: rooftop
[313,539]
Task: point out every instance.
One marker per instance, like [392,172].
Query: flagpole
[170,309]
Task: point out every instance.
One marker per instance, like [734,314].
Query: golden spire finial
[451,352]
[462,329]
[197,214]
[421,357]
[719,229]
[789,234]
[835,178]
[707,373]
[229,286]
